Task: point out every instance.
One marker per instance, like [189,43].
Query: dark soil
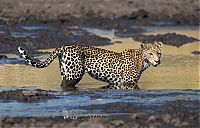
[26,95]
[196,52]
[139,11]
[134,120]
[169,39]
[178,106]
[3,57]
[54,36]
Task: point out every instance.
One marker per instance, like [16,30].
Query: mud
[44,36]
[168,39]
[196,52]
[3,57]
[25,95]
[136,120]
[141,11]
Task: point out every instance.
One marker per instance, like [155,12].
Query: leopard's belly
[111,78]
[101,69]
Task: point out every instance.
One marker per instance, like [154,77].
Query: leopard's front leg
[130,85]
[111,86]
[136,87]
[130,79]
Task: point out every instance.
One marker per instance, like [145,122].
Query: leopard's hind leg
[67,84]
[72,70]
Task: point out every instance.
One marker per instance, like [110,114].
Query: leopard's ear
[159,44]
[142,45]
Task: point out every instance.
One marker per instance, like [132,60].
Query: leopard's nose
[158,62]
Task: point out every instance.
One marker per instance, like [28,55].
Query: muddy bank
[196,52]
[168,39]
[3,57]
[25,95]
[140,11]
[43,36]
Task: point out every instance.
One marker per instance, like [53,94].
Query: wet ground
[169,95]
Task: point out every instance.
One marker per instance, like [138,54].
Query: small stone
[167,118]
[139,14]
[151,118]
[90,125]
[3,57]
[117,122]
[29,93]
[135,116]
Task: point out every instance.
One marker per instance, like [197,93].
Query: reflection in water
[34,27]
[23,34]
[179,69]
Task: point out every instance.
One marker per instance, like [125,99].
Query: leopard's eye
[158,53]
[151,54]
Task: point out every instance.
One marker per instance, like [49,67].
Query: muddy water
[179,68]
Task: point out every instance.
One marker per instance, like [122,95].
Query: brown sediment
[139,12]
[168,39]
[49,38]
[25,95]
[3,57]
[125,121]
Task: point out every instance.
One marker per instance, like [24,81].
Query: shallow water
[179,68]
[91,102]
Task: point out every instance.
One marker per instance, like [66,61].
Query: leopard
[121,70]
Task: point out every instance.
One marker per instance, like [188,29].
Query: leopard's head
[152,53]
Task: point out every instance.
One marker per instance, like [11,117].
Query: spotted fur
[119,70]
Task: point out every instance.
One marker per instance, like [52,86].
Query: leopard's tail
[39,64]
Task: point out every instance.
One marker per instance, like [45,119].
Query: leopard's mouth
[156,63]
[153,63]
